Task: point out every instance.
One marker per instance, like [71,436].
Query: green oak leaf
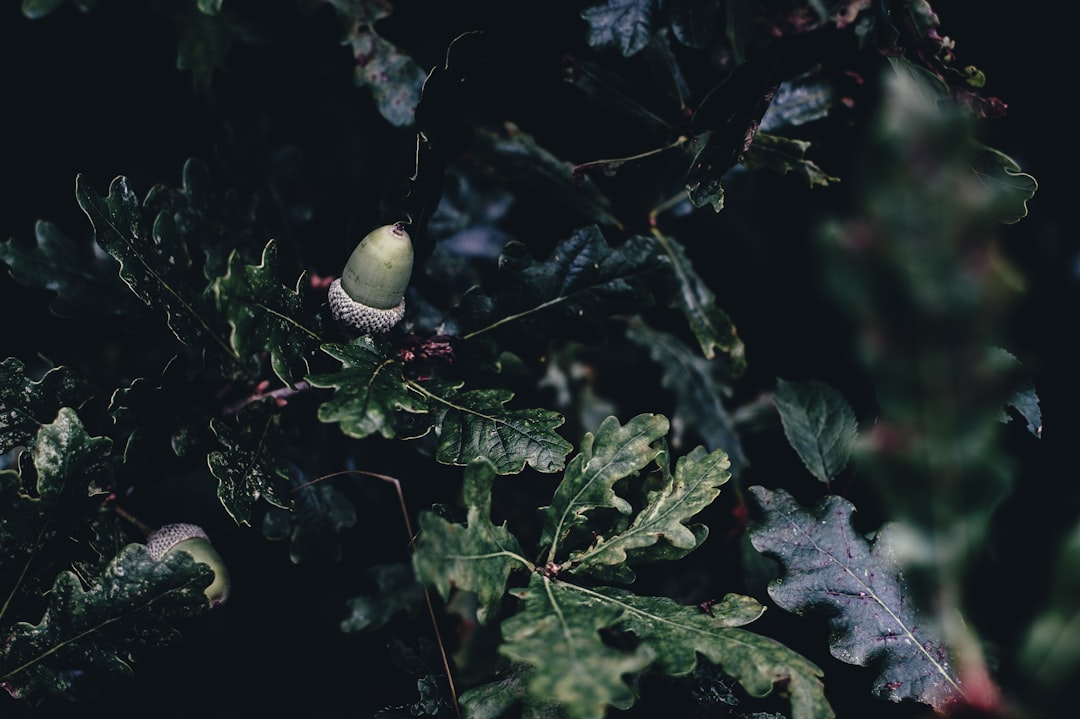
[98,629]
[783,155]
[250,468]
[370,390]
[63,452]
[694,485]
[475,557]
[26,404]
[156,265]
[613,453]
[831,569]
[85,282]
[557,632]
[475,423]
[266,316]
[676,634]
[688,291]
[819,424]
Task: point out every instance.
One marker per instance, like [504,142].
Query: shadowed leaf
[251,467]
[819,424]
[831,569]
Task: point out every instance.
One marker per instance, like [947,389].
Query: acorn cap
[192,539]
[370,294]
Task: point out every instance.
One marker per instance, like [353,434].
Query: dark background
[100,94]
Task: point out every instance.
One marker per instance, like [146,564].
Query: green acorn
[192,539]
[370,294]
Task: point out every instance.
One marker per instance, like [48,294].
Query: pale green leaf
[613,453]
[694,485]
[557,632]
[475,557]
[676,634]
[64,453]
[819,424]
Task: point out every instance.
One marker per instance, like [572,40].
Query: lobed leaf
[475,424]
[26,405]
[677,634]
[319,513]
[393,78]
[397,591]
[819,425]
[156,266]
[133,605]
[85,282]
[613,453]
[830,568]
[475,557]
[557,632]
[251,467]
[694,486]
[265,316]
[371,390]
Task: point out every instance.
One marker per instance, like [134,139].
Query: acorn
[370,294]
[192,539]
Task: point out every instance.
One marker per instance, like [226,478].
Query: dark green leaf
[819,424]
[370,390]
[688,291]
[214,224]
[99,629]
[266,316]
[613,453]
[832,569]
[475,557]
[63,452]
[699,391]
[582,283]
[156,266]
[319,514]
[251,467]
[475,424]
[627,24]
[26,404]
[85,282]
[783,155]
[398,591]
[35,9]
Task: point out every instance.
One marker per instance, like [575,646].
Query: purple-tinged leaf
[832,569]
[627,24]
